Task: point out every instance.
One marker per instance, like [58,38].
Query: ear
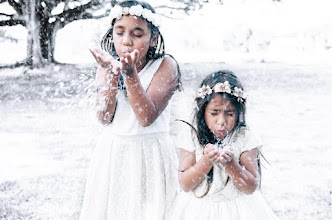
[153,41]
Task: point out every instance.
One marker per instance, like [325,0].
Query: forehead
[131,21]
[218,101]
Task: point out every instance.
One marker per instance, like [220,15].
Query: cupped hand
[226,156]
[105,60]
[128,62]
[211,153]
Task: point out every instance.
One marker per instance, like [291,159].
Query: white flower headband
[136,10]
[222,87]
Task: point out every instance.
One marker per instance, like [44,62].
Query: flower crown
[136,10]
[222,87]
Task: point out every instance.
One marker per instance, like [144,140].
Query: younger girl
[132,173]
[222,173]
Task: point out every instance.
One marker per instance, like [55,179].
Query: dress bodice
[125,121]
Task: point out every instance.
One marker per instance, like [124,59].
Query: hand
[128,62]
[211,153]
[226,156]
[106,61]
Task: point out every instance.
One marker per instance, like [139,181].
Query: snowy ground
[48,131]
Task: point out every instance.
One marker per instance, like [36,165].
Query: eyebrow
[133,29]
[228,110]
[231,110]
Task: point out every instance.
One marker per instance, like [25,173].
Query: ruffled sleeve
[184,139]
[251,141]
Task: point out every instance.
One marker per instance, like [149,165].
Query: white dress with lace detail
[224,200]
[133,170]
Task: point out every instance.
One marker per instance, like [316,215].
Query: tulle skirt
[131,177]
[247,207]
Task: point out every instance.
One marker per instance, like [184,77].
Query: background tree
[43,18]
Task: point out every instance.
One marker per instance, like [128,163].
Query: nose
[126,41]
[221,121]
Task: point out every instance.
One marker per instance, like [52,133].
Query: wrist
[206,162]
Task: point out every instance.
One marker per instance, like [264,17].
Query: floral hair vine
[136,10]
[222,87]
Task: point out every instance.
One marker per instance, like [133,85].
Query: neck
[140,65]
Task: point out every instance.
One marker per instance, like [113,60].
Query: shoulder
[169,63]
[167,72]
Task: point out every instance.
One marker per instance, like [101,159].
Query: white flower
[137,10]
[116,12]
[125,11]
[205,90]
[239,94]
[223,87]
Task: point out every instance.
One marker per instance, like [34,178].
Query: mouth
[126,50]
[221,133]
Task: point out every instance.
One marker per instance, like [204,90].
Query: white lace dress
[133,170]
[223,201]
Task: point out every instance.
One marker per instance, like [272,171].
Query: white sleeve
[251,141]
[184,138]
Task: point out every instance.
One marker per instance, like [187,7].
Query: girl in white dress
[220,171]
[133,168]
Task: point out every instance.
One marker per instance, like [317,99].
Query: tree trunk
[34,55]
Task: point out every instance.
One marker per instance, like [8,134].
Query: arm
[191,173]
[245,173]
[107,79]
[106,97]
[148,105]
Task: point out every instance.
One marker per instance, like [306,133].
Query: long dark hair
[202,132]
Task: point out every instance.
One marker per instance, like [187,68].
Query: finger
[94,55]
[122,61]
[135,55]
[129,58]
[213,152]
[216,158]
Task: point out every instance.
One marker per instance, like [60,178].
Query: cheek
[231,123]
[210,123]
[145,46]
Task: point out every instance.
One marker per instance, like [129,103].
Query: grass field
[48,131]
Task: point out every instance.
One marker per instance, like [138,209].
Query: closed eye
[230,113]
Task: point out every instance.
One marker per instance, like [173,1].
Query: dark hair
[155,52]
[203,133]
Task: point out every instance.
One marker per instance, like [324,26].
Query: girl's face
[132,32]
[220,116]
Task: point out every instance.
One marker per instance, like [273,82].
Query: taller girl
[132,173]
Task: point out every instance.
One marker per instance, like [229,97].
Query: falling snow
[49,126]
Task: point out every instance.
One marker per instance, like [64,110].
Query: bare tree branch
[3,14]
[80,12]
[16,6]
[172,8]
[12,22]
